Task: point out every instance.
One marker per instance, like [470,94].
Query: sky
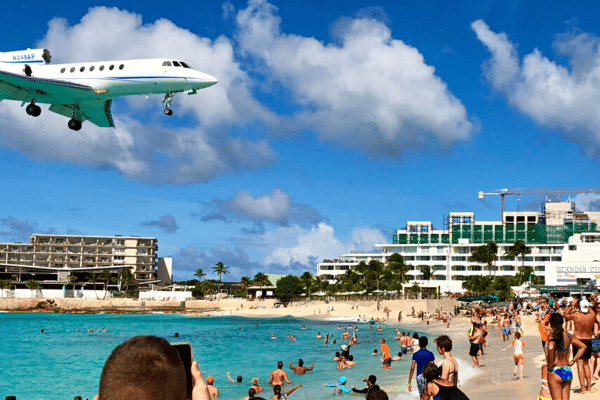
[332,125]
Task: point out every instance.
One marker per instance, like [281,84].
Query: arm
[200,391]
[292,389]
[365,390]
[410,375]
[229,377]
[327,385]
[285,378]
[509,346]
[345,389]
[445,370]
[270,380]
[580,352]
[312,365]
[291,366]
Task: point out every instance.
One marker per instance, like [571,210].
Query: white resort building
[564,244]
[50,259]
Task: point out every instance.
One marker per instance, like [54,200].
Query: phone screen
[185,353]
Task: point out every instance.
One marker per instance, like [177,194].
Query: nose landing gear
[33,110]
[167,102]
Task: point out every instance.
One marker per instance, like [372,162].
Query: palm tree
[4,284]
[199,273]
[398,270]
[519,249]
[246,281]
[427,272]
[106,277]
[127,279]
[72,279]
[93,278]
[32,285]
[307,279]
[261,279]
[484,255]
[220,269]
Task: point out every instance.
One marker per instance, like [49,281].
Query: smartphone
[185,353]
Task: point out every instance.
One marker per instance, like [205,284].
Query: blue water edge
[66,361]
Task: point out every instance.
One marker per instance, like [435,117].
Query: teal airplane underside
[84,91]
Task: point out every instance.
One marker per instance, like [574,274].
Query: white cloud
[149,151]
[294,245]
[554,96]
[587,202]
[373,92]
[274,207]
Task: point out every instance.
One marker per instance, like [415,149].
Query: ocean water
[62,363]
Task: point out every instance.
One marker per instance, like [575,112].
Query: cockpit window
[167,64]
[176,63]
[184,64]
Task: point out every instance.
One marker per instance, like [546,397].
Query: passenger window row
[100,68]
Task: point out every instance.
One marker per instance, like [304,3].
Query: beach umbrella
[466,298]
[493,297]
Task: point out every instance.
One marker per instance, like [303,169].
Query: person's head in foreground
[377,395]
[143,368]
[431,372]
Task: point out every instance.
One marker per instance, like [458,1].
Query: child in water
[339,387]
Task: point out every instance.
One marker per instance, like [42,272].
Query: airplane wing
[66,97]
[97,112]
[25,88]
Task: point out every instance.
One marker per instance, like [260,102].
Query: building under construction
[559,237]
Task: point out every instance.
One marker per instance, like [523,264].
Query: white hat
[584,306]
[344,347]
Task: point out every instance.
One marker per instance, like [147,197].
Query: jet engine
[29,56]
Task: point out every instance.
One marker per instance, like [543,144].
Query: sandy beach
[494,379]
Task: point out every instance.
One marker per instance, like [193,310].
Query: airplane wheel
[74,124]
[37,111]
[168,111]
[31,109]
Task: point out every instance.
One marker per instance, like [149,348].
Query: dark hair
[415,335]
[350,357]
[444,342]
[372,379]
[337,353]
[556,322]
[423,342]
[251,392]
[431,372]
[300,362]
[239,378]
[279,364]
[146,364]
[377,395]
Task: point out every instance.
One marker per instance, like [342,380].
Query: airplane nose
[209,79]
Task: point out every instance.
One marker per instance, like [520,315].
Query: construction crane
[530,191]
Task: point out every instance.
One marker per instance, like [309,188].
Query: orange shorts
[519,359]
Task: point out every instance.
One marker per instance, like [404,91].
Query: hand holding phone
[185,353]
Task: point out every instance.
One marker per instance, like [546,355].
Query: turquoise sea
[62,363]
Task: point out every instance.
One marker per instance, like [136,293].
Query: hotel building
[50,259]
[564,244]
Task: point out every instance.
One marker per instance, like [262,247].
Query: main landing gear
[33,110]
[167,102]
[74,124]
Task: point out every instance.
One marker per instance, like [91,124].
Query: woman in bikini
[558,352]
[438,388]
[449,365]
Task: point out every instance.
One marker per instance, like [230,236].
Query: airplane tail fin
[29,56]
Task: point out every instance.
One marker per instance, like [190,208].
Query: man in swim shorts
[278,375]
[584,329]
[386,358]
[475,336]
[301,369]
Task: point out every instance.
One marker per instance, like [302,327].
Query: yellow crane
[530,191]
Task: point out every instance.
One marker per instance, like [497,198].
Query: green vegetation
[288,288]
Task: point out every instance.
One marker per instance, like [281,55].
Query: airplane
[85,91]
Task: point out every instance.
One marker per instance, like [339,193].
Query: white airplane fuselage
[84,91]
[136,77]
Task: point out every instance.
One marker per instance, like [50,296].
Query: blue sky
[332,123]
